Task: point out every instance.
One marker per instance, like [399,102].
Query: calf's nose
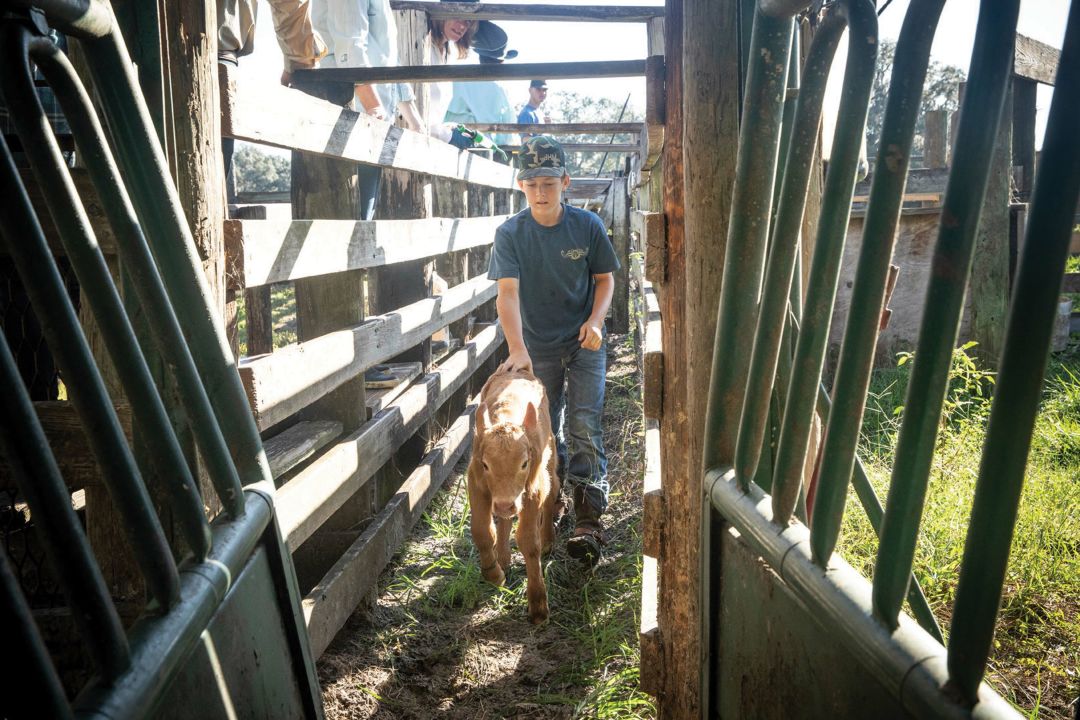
[505,509]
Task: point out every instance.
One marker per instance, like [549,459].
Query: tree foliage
[572,107]
[255,170]
[940,92]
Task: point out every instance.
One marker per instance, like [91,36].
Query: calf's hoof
[538,614]
[494,574]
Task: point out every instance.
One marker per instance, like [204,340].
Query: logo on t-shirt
[574,254]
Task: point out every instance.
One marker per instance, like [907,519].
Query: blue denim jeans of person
[574,383]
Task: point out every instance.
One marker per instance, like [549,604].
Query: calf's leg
[483,530]
[528,539]
[503,526]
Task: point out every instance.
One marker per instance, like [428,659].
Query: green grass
[1036,652]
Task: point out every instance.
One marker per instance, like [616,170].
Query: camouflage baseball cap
[541,156]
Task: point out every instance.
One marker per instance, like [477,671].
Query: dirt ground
[440,642]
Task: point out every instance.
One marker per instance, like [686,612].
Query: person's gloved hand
[460,140]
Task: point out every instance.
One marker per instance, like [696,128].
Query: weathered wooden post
[935,140]
[620,238]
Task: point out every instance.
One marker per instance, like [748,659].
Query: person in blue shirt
[554,264]
[531,114]
[484,102]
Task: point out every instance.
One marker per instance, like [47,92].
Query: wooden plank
[287,118]
[64,431]
[588,147]
[94,211]
[620,238]
[907,197]
[1034,60]
[261,252]
[587,188]
[650,228]
[610,128]
[649,633]
[286,450]
[652,533]
[652,494]
[332,601]
[306,501]
[476,73]
[653,357]
[258,313]
[988,284]
[533,12]
[290,379]
[1023,134]
[936,140]
[919,180]
[378,399]
[1071,283]
[655,101]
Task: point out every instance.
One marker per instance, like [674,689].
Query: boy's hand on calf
[518,360]
[591,336]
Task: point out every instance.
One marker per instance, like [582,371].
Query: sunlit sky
[1043,20]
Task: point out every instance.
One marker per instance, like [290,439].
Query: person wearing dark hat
[553,263]
[486,101]
[531,114]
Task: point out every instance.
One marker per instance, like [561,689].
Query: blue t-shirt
[529,115]
[554,267]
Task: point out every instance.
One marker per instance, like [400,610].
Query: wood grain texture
[533,12]
[477,73]
[301,441]
[310,498]
[1034,60]
[292,378]
[261,252]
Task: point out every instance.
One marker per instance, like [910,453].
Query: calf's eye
[525,464]
[486,468]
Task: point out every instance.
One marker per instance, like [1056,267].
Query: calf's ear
[530,421]
[482,420]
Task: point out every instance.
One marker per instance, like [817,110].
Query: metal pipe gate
[751,370]
[234,591]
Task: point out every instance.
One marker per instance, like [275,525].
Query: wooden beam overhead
[473,73]
[1034,60]
[620,128]
[533,13]
[589,147]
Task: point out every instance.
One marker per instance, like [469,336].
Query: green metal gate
[809,636]
[222,634]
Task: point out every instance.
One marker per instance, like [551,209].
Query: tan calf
[512,473]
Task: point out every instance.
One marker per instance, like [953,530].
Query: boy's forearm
[510,320]
[605,290]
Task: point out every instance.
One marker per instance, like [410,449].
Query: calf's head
[506,455]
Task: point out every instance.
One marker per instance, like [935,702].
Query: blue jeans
[574,383]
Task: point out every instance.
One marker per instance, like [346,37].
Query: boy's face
[544,194]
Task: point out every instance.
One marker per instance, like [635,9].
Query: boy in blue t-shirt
[554,265]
